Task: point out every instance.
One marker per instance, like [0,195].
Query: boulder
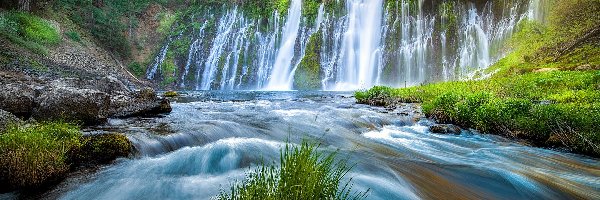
[7,119]
[445,129]
[17,98]
[100,149]
[72,104]
[143,103]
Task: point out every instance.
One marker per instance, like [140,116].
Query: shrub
[35,154]
[304,174]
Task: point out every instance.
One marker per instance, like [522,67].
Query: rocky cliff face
[73,81]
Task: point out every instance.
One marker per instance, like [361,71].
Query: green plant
[304,173]
[137,69]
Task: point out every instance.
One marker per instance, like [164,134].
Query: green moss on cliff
[307,76]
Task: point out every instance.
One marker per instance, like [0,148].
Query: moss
[100,149]
[171,94]
[307,76]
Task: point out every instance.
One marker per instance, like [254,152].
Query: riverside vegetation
[38,154]
[546,91]
[305,173]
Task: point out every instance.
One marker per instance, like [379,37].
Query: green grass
[304,173]
[29,31]
[34,154]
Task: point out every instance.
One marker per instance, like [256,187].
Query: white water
[205,146]
[367,45]
[280,76]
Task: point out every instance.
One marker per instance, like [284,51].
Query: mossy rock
[171,94]
[100,149]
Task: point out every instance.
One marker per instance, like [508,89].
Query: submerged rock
[72,104]
[17,99]
[445,129]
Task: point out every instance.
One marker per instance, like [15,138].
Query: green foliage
[29,31]
[570,19]
[34,154]
[166,22]
[139,70]
[107,22]
[310,10]
[304,173]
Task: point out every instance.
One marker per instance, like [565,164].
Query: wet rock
[7,119]
[143,103]
[100,149]
[72,104]
[445,129]
[17,99]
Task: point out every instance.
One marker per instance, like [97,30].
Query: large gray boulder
[17,98]
[72,104]
[142,103]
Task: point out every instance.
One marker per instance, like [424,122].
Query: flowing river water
[211,139]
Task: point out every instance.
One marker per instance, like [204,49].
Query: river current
[211,139]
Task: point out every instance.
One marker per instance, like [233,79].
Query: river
[211,139]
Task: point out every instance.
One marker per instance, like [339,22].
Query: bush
[304,174]
[35,154]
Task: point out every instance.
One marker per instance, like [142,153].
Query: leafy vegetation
[107,20]
[28,30]
[305,173]
[550,98]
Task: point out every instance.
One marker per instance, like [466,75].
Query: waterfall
[362,43]
[193,54]
[158,61]
[280,76]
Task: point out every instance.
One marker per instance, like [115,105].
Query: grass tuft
[304,173]
[32,155]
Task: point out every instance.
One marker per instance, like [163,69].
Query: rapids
[212,139]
